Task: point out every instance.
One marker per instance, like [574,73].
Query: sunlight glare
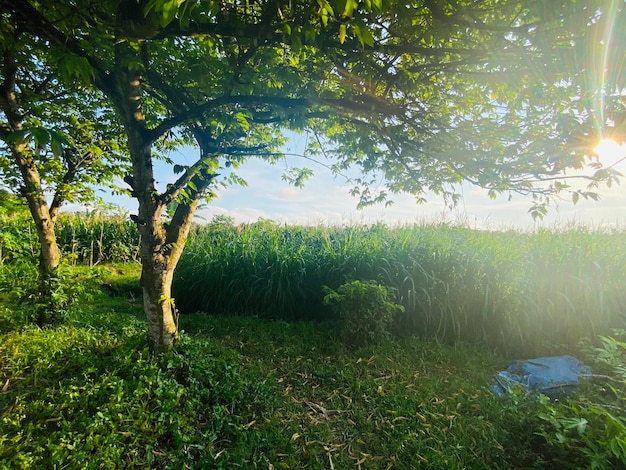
[610,152]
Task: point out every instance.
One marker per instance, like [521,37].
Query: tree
[56,142]
[427,93]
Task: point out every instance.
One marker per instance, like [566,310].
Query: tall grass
[98,237]
[88,238]
[515,292]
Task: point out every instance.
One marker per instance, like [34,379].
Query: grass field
[265,394]
[518,293]
[244,392]
[278,386]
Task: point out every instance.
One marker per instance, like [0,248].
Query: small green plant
[366,311]
[42,301]
[589,430]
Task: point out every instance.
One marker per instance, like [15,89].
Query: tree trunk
[156,281]
[32,191]
[157,262]
[49,255]
[161,250]
[44,219]
[161,244]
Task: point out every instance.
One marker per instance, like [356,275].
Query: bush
[586,430]
[366,310]
[42,301]
[589,430]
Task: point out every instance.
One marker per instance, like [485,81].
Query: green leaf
[58,142]
[242,120]
[351,5]
[342,33]
[325,6]
[169,8]
[40,135]
[363,34]
[78,67]
[16,137]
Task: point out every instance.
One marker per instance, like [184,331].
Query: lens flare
[610,152]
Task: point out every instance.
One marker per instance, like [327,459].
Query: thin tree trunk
[49,255]
[157,262]
[160,251]
[156,280]
[42,215]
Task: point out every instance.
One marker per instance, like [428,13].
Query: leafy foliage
[366,311]
[240,391]
[249,392]
[123,410]
[43,303]
[63,132]
[18,240]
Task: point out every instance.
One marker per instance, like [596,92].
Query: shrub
[366,310]
[42,301]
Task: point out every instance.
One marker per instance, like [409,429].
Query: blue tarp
[551,376]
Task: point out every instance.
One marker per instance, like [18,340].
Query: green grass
[244,392]
[318,404]
[241,392]
[519,293]
[90,238]
[275,387]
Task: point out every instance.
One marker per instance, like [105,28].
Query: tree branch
[38,24]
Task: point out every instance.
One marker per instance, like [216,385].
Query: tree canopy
[428,93]
[56,140]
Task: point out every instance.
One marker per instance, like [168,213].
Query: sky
[325,200]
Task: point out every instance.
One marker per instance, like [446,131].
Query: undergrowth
[240,392]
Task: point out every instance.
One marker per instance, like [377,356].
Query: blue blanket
[552,376]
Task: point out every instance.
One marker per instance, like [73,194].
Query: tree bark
[158,258]
[161,246]
[160,252]
[156,279]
